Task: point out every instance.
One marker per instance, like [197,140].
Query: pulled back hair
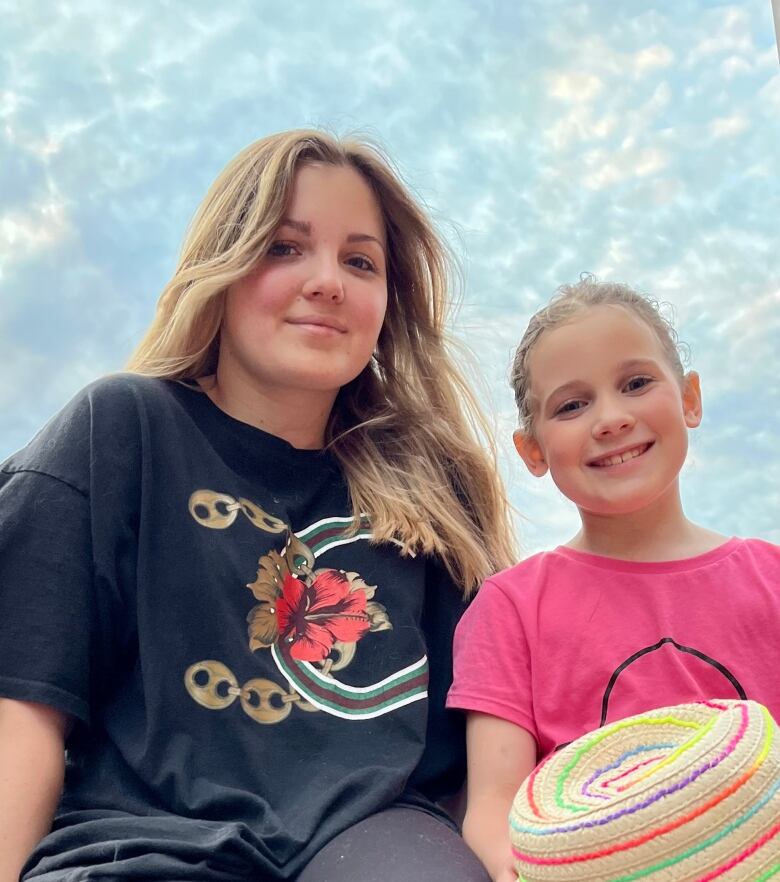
[408,432]
[570,301]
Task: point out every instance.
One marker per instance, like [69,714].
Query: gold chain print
[217,511]
[287,615]
[214,686]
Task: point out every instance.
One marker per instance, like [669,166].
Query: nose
[612,418]
[325,281]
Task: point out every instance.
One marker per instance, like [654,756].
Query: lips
[618,457]
[319,321]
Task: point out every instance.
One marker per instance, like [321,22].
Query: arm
[32,763]
[500,756]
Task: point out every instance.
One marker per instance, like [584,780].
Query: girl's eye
[637,383]
[569,408]
[362,263]
[281,249]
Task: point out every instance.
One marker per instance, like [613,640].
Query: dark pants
[396,845]
[399,844]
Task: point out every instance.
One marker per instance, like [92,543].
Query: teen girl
[230,577]
[642,608]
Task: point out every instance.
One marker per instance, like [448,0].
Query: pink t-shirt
[565,641]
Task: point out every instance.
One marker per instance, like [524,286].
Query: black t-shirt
[247,679]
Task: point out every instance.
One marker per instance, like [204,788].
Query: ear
[691,398]
[530,452]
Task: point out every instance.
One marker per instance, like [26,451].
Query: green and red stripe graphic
[323,691]
[354,702]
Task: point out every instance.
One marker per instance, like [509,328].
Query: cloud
[751,329]
[24,233]
[608,169]
[652,58]
[769,97]
[637,142]
[734,66]
[575,86]
[729,126]
[728,30]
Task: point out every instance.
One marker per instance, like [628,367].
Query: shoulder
[522,580]
[102,419]
[124,392]
[110,400]
[510,594]
[761,552]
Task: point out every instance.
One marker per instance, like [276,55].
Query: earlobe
[531,453]
[691,398]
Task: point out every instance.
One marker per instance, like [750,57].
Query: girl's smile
[621,457]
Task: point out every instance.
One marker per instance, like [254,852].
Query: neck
[658,532]
[300,418]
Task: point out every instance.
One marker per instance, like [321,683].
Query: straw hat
[679,794]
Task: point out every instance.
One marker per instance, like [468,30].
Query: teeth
[621,457]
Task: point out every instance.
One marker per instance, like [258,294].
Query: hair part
[570,301]
[408,432]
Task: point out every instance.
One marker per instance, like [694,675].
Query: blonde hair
[408,431]
[570,301]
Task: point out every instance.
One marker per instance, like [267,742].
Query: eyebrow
[304,228]
[637,362]
[365,237]
[565,389]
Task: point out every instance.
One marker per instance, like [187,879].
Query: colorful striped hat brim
[681,794]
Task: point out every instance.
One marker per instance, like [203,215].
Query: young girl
[230,577]
[642,608]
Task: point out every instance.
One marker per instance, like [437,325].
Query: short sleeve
[64,550]
[45,587]
[492,667]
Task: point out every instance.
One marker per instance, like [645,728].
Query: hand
[507,874]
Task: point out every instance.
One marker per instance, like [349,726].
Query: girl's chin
[616,507]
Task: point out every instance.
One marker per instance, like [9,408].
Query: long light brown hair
[409,434]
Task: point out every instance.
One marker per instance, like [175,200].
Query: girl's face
[307,319]
[611,416]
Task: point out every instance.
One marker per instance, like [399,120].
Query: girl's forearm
[486,831]
[32,764]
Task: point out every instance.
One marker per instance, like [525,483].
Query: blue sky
[635,140]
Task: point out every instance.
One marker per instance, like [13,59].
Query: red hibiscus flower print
[313,617]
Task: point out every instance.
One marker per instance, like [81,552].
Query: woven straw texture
[679,794]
